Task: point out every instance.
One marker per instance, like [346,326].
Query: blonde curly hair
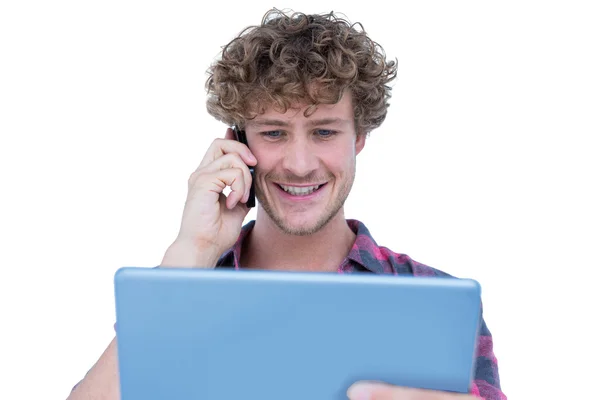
[294,57]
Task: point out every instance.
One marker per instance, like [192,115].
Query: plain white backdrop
[486,167]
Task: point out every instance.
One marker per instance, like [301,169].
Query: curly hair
[295,57]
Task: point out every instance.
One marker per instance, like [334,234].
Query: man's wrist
[187,255]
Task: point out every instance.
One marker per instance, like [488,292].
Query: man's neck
[267,247]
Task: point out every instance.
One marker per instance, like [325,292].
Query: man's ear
[361,138]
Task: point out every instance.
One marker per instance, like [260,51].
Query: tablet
[225,334]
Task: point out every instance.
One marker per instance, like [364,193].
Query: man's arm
[102,381]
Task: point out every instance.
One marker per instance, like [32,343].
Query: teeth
[299,191]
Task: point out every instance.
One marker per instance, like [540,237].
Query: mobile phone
[240,136]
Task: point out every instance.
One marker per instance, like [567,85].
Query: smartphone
[240,136]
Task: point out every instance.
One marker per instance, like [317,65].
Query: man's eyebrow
[266,122]
[328,121]
[311,122]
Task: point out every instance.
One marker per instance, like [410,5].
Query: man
[306,89]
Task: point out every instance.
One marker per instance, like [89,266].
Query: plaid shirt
[367,256]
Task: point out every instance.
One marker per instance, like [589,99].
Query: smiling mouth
[300,191]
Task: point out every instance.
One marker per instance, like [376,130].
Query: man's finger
[220,147]
[384,391]
[229,135]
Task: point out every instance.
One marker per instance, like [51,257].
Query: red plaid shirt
[367,256]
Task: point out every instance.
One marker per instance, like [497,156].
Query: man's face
[306,165]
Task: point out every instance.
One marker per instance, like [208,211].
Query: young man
[307,89]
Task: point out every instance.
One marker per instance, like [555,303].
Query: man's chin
[302,226]
[295,227]
[299,230]
[297,221]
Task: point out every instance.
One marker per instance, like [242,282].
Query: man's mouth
[300,190]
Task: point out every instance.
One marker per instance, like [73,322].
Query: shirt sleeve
[486,381]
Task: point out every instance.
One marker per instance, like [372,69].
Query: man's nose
[300,157]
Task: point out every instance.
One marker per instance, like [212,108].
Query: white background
[487,167]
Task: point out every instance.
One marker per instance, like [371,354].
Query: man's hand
[383,391]
[211,221]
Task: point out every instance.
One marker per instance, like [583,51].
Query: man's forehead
[340,113]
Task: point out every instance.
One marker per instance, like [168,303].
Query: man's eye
[272,134]
[325,133]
